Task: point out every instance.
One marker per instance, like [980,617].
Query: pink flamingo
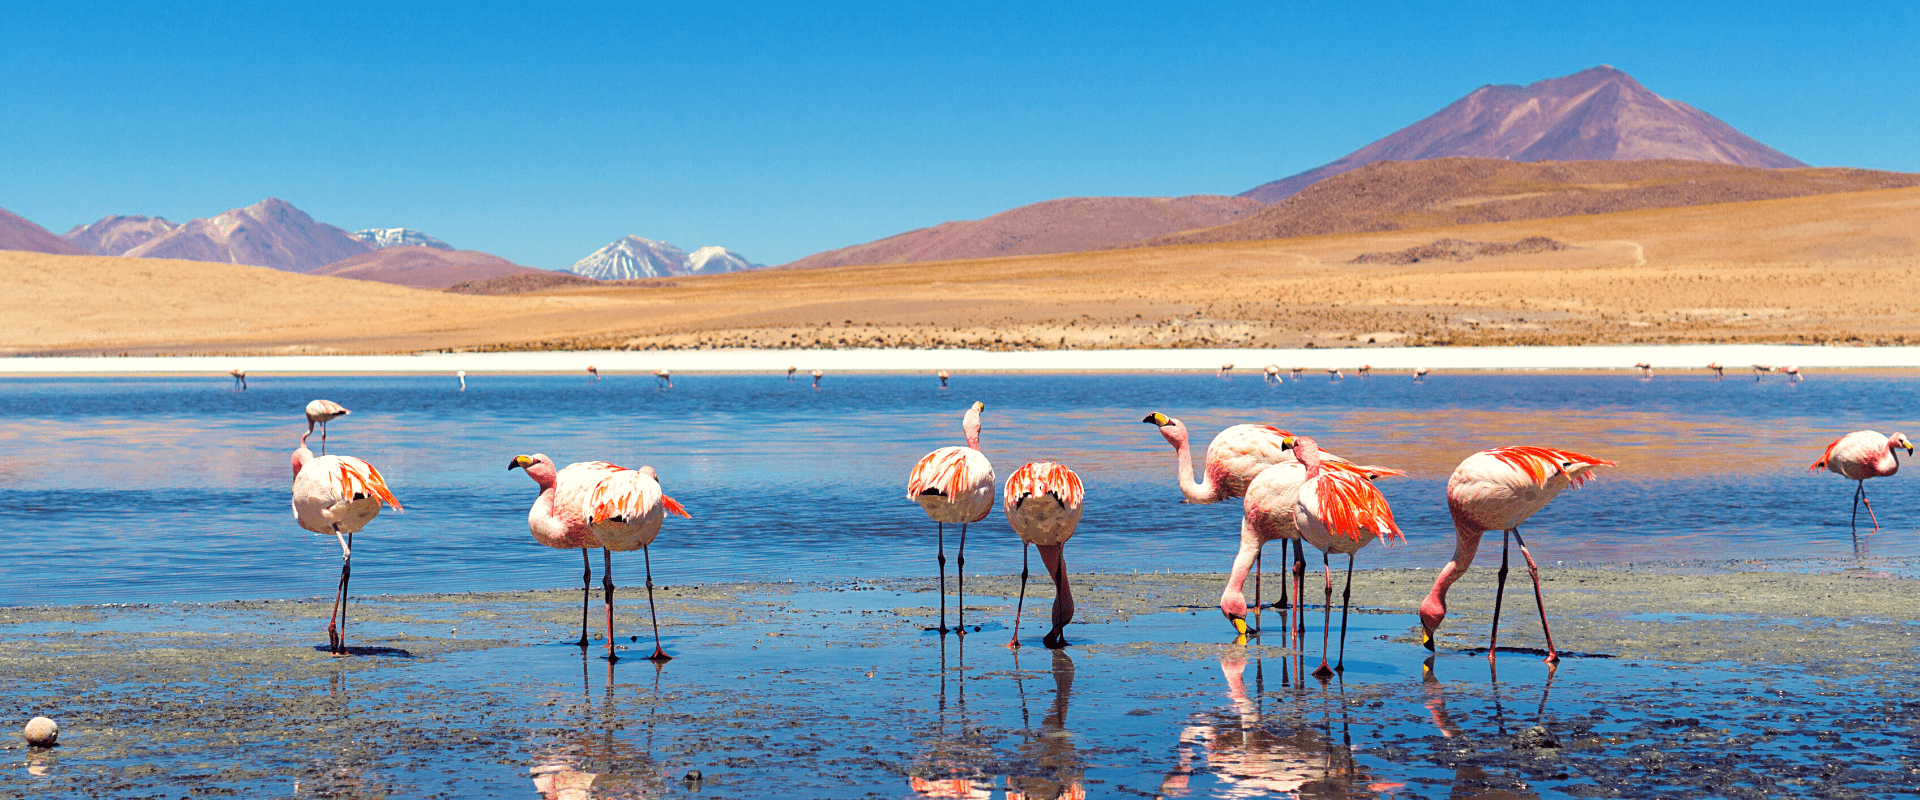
[593,371]
[1273,373]
[1043,503]
[1224,369]
[943,378]
[816,378]
[1496,490]
[954,485]
[624,509]
[1793,373]
[320,412]
[1333,374]
[1297,371]
[1719,371]
[790,371]
[1861,455]
[1420,374]
[1366,370]
[1761,369]
[663,376]
[556,519]
[462,375]
[1646,369]
[337,495]
[239,378]
[1338,511]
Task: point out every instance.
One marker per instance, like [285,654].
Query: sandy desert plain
[1833,268]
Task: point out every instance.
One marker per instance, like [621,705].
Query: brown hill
[1396,195]
[20,233]
[521,284]
[1065,225]
[270,233]
[1596,114]
[423,267]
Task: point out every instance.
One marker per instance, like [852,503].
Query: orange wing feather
[370,483]
[674,507]
[1541,463]
[1045,477]
[1822,463]
[943,470]
[1352,507]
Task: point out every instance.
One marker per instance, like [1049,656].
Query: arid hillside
[1808,269]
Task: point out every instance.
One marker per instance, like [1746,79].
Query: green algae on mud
[784,689]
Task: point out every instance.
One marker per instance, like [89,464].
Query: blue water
[157,489]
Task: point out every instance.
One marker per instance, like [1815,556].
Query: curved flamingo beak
[1239,624]
[1157,418]
[1426,639]
[518,462]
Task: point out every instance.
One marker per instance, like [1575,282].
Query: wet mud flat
[1729,682]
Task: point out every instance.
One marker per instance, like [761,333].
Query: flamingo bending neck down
[1861,455]
[337,495]
[1224,369]
[1719,372]
[1420,374]
[1268,516]
[943,378]
[555,518]
[1496,490]
[663,377]
[1273,373]
[1761,369]
[239,379]
[319,412]
[624,509]
[790,371]
[816,378]
[954,485]
[1043,503]
[1338,511]
[593,372]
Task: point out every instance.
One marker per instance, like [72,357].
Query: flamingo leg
[1299,592]
[1055,559]
[606,586]
[1327,622]
[659,655]
[1499,593]
[1024,572]
[1346,598]
[1869,504]
[1553,653]
[960,575]
[334,639]
[941,527]
[586,593]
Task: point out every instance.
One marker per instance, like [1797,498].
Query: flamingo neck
[1194,491]
[1233,599]
[1309,454]
[1466,543]
[1055,561]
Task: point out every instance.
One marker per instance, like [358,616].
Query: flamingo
[1268,516]
[790,370]
[462,375]
[624,510]
[816,378]
[1338,511]
[943,378]
[555,518]
[239,378]
[319,412]
[1793,373]
[1235,457]
[663,376]
[1420,374]
[1496,490]
[1333,374]
[1043,503]
[1297,371]
[1719,371]
[1273,373]
[1861,455]
[1366,370]
[1761,369]
[954,485]
[1224,369]
[593,371]
[1646,369]
[337,495]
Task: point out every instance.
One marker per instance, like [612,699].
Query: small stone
[42,732]
[1536,738]
[693,776]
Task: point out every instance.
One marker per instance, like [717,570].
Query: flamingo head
[1304,448]
[1431,613]
[1899,440]
[970,424]
[538,467]
[1235,610]
[303,455]
[1172,429]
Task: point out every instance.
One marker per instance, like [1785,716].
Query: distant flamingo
[1339,511]
[1224,369]
[593,371]
[624,509]
[462,375]
[1861,455]
[663,376]
[1496,490]
[1719,372]
[1297,371]
[1043,503]
[337,495]
[1646,369]
[1761,369]
[319,412]
[816,378]
[954,485]
[1366,370]
[239,379]
[555,518]
[1333,374]
[790,372]
[1273,373]
[943,378]
[1420,374]
[1793,373]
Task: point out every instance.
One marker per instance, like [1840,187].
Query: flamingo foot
[1324,672]
[1054,640]
[1553,657]
[1013,644]
[659,656]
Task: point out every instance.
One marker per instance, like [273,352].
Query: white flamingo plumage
[1793,373]
[954,485]
[555,518]
[319,412]
[1861,455]
[462,375]
[1043,501]
[816,378]
[1761,370]
[1273,373]
[1338,511]
[1646,369]
[1496,490]
[943,378]
[1420,374]
[664,377]
[337,495]
[1224,369]
[1333,374]
[624,509]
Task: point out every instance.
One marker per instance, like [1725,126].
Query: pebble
[693,776]
[42,732]
[1536,738]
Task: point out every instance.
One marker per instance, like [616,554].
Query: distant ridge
[270,233]
[423,267]
[1065,225]
[398,237]
[631,257]
[20,233]
[115,235]
[1591,115]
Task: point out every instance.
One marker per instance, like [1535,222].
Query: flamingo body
[1861,455]
[1268,517]
[625,508]
[1043,503]
[556,518]
[1235,457]
[954,484]
[336,494]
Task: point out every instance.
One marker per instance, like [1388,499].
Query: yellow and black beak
[519,462]
[979,406]
[1239,625]
[1426,639]
[1158,418]
[1286,443]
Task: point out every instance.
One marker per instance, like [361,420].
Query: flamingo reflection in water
[1254,756]
[587,759]
[1048,766]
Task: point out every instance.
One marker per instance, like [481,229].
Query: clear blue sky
[541,132]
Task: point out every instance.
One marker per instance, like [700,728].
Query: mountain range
[631,257]
[399,237]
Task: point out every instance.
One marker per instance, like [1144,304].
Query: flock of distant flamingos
[1293,491]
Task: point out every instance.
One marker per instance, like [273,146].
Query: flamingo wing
[942,472]
[625,494]
[356,477]
[1540,464]
[1825,456]
[1044,478]
[1352,507]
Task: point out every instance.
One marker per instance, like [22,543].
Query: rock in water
[1536,738]
[42,732]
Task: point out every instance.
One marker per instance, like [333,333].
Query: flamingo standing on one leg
[1043,503]
[462,375]
[239,378]
[1420,374]
[1719,372]
[1861,455]
[337,495]
[663,377]
[816,378]
[555,518]
[955,485]
[624,509]
[1496,490]
[1338,511]
[1273,373]
[943,378]
[1224,369]
[318,413]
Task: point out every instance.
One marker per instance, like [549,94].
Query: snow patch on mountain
[382,238]
[633,257]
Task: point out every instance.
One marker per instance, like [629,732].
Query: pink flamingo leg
[336,637]
[1024,572]
[659,656]
[606,585]
[1553,653]
[1327,623]
[1869,504]
[1499,593]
